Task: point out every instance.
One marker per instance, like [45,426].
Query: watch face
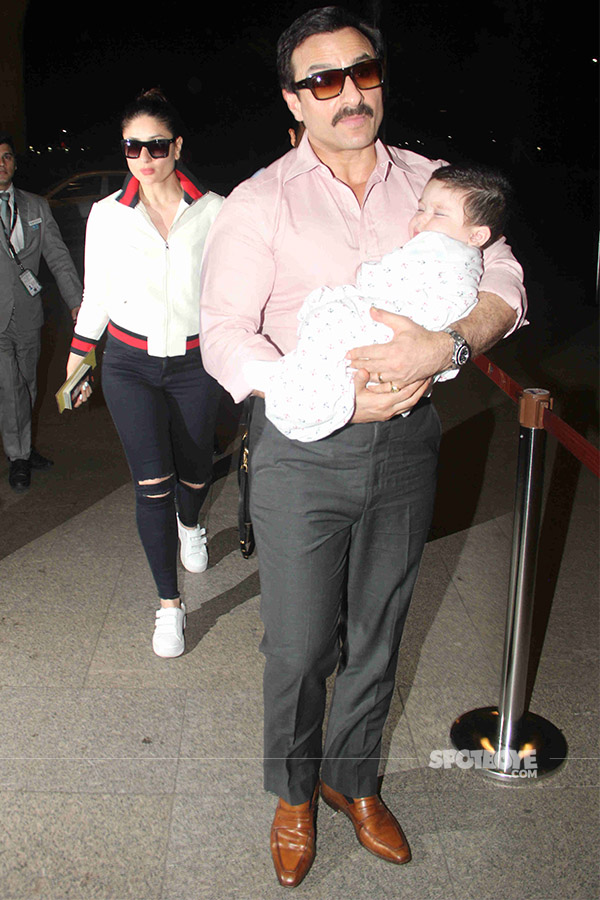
[462,357]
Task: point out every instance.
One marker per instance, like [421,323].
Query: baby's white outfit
[309,393]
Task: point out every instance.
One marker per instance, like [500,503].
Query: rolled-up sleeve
[237,280]
[503,276]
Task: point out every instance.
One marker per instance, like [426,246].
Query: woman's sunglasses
[325,85]
[158,148]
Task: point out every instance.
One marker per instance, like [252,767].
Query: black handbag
[246,532]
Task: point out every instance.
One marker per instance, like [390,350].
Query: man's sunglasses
[330,83]
[158,148]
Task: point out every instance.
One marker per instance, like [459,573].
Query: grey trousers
[19,355]
[340,527]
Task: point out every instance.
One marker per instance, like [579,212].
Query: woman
[142,274]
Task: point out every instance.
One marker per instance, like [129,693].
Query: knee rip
[146,488]
[194,487]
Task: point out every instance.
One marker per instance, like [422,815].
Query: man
[340,523]
[27,232]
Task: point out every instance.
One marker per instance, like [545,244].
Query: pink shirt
[296,227]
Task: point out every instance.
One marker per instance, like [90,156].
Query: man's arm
[415,353]
[59,261]
[238,270]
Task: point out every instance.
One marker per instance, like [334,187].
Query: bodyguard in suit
[28,232]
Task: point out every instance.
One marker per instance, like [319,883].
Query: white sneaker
[193,551]
[168,640]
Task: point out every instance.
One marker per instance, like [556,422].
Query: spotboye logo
[507,761]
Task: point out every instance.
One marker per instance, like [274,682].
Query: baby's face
[441,209]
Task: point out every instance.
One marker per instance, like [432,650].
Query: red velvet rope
[499,377]
[568,437]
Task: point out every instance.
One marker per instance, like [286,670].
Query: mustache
[361,110]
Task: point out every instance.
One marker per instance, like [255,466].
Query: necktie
[5,210]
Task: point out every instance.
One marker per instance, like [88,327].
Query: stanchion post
[517,743]
[526,526]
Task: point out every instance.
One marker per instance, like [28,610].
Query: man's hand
[380,402]
[413,354]
[75,313]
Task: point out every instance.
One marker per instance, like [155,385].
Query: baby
[433,279]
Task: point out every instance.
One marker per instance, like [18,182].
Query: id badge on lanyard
[29,282]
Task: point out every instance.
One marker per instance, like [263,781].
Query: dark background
[506,83]
[507,80]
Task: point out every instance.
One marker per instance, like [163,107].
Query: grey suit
[21,317]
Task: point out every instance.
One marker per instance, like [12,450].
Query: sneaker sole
[193,571]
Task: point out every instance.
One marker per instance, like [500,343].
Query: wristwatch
[462,352]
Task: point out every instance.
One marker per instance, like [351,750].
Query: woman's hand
[73,361]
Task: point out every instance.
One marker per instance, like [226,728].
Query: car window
[113,183]
[79,187]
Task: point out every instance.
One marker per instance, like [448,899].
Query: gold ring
[379,378]
[394,387]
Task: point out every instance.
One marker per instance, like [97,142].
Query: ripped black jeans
[164,409]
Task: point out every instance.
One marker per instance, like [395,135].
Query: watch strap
[462,350]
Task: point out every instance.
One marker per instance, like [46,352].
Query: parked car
[71,201]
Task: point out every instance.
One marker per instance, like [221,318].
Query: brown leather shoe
[376,828]
[293,840]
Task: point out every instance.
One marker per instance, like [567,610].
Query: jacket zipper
[168,299]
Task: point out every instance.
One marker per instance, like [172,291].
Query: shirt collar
[387,157]
[305,159]
[129,195]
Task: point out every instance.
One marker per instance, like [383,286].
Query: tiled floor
[128,777]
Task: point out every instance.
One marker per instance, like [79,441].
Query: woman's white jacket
[139,281]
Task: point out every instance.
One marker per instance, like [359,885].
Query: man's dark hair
[487,195]
[7,139]
[320,21]
[153,103]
